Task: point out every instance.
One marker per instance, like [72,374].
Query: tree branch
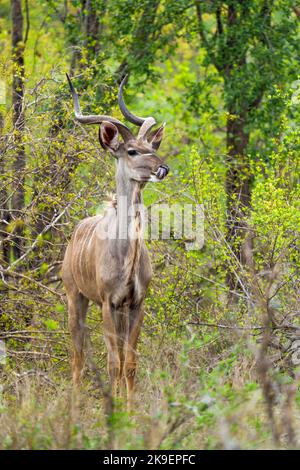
[27,21]
[220,28]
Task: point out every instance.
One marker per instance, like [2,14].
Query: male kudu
[107,264]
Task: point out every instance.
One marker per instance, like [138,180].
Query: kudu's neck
[129,208]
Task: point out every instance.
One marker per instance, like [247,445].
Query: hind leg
[77,308]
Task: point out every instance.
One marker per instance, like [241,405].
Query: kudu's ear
[109,136]
[155,137]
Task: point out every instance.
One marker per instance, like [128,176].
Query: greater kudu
[114,271]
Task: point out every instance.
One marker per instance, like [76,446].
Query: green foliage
[208,73]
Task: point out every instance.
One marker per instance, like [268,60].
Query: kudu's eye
[132,152]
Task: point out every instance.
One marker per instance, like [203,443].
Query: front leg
[111,341]
[136,316]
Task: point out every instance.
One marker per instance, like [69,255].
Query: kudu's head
[137,158]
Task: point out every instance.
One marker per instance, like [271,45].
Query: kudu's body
[106,260]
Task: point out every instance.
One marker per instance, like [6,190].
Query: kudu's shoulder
[109,209]
[86,225]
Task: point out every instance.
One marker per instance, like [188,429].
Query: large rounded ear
[109,136]
[155,137]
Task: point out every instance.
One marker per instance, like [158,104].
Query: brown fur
[113,273]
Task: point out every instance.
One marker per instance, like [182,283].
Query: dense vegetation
[220,346]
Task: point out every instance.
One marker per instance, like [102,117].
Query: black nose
[162,172]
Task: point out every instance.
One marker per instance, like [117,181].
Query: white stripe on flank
[80,262]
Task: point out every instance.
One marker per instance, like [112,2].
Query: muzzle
[162,172]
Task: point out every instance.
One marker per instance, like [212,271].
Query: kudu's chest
[119,270]
[125,278]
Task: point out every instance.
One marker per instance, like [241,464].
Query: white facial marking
[154,179]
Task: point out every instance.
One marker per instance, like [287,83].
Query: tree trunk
[18,198]
[238,193]
[93,26]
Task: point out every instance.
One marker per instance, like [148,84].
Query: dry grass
[189,396]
